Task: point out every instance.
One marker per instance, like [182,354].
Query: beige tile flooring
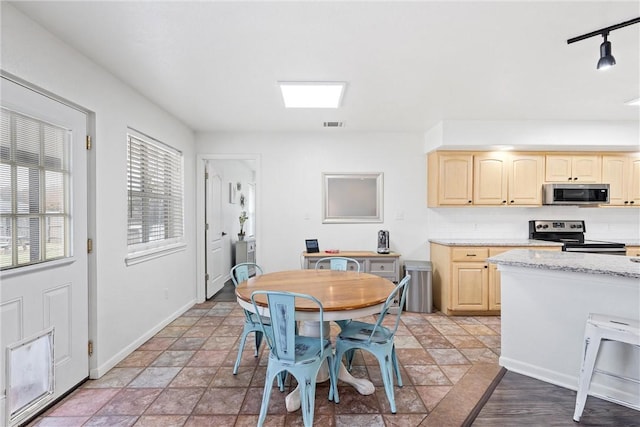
[182,377]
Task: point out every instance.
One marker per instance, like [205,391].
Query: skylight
[312,94]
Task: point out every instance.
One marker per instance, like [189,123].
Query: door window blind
[155,192]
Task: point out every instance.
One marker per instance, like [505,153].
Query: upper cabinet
[573,167]
[622,173]
[507,179]
[450,181]
[484,179]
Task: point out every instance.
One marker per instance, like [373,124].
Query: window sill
[149,254]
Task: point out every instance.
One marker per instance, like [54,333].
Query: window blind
[155,191]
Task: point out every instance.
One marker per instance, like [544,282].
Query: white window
[34,190]
[155,192]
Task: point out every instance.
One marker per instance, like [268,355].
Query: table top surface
[337,290]
[350,254]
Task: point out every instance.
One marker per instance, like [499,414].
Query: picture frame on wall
[352,198]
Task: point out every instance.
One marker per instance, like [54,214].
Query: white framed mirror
[352,197]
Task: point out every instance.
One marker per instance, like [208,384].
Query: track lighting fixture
[606,58]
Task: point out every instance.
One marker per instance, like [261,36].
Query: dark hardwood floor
[519,400]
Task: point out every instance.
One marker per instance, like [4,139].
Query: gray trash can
[419,298]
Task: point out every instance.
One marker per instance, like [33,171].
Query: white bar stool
[601,327]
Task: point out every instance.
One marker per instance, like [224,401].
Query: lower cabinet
[464,283]
[633,250]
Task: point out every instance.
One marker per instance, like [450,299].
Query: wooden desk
[344,295]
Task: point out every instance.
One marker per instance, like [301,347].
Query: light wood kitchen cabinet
[633,251]
[573,167]
[507,179]
[622,173]
[450,180]
[464,283]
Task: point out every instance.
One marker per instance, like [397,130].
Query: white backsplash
[616,224]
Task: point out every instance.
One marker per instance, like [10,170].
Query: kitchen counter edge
[494,242]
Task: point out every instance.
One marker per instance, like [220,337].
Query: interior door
[43,221]
[214,238]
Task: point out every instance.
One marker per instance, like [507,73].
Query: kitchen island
[546,299]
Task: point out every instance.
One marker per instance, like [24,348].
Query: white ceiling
[408,65]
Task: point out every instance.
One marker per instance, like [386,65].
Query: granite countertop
[610,265]
[493,242]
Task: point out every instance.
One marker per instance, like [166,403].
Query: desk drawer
[383,267]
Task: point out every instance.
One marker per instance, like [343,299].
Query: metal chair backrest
[401,289]
[281,306]
[240,272]
[338,263]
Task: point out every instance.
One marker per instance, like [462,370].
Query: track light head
[606,59]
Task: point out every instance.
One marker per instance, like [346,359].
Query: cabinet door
[490,179]
[586,168]
[525,180]
[633,182]
[633,251]
[470,286]
[557,168]
[494,287]
[455,180]
[614,173]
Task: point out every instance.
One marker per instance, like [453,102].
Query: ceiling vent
[333,124]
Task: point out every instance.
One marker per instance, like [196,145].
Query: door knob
[224,234]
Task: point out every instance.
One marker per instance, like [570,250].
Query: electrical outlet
[166,293]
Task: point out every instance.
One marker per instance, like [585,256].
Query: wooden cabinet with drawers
[464,283]
[383,265]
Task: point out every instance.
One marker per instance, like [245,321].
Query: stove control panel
[557,226]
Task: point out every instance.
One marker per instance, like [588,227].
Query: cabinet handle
[626,202]
[471,254]
[486,266]
[469,201]
[631,202]
[511,201]
[382,267]
[504,201]
[570,178]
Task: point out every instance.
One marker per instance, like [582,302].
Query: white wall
[127,303]
[289,189]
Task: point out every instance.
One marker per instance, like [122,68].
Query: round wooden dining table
[343,294]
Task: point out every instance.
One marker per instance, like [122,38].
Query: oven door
[596,249]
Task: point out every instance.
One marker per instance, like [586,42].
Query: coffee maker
[383,242]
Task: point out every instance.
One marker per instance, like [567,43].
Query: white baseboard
[121,355]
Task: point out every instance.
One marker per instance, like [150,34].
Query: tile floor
[182,377]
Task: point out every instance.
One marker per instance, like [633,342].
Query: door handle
[224,234]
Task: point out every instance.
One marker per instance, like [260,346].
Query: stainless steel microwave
[575,194]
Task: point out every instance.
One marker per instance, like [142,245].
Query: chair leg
[387,379]
[266,394]
[590,354]
[333,379]
[258,340]
[396,366]
[308,399]
[240,350]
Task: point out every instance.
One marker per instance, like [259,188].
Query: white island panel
[546,299]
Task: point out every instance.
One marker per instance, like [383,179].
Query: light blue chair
[239,274]
[299,355]
[376,339]
[339,263]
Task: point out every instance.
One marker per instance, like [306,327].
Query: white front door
[43,231]
[213,230]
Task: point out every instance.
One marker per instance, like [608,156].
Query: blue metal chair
[376,339]
[341,263]
[299,355]
[338,263]
[239,274]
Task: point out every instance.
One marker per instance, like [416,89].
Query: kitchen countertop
[610,265]
[493,242]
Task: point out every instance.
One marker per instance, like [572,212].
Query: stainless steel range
[571,233]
